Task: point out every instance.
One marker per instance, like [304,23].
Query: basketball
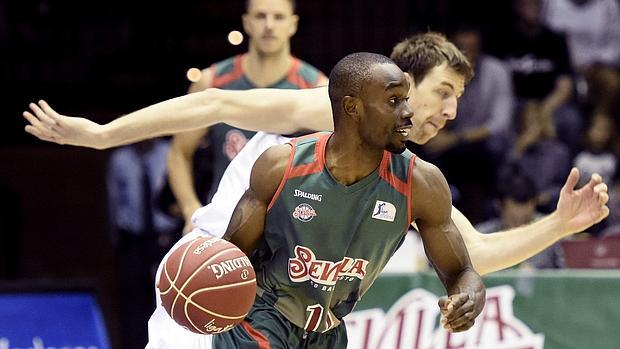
[207,285]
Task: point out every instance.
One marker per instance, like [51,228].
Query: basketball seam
[189,298]
[172,281]
[180,290]
[189,301]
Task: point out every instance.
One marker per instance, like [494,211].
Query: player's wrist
[188,210]
[558,225]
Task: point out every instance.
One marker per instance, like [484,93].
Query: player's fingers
[43,118]
[601,188]
[33,120]
[462,320]
[603,198]
[595,180]
[464,327]
[443,303]
[457,300]
[571,181]
[605,213]
[458,312]
[37,133]
[49,111]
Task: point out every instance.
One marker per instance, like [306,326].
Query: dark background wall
[101,59]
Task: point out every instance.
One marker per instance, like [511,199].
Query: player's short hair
[420,53]
[293,5]
[350,75]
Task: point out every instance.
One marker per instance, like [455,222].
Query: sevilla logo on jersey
[305,266]
[304,212]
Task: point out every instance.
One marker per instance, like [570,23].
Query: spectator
[476,139]
[597,157]
[592,28]
[518,198]
[539,155]
[539,61]
[141,231]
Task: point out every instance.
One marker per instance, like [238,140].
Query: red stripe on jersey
[261,340]
[235,74]
[389,177]
[319,162]
[409,186]
[294,78]
[286,175]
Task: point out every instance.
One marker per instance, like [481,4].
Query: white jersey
[209,220]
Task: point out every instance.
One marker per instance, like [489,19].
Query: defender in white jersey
[211,219]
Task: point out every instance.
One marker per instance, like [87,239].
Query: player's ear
[293,24]
[245,20]
[410,80]
[352,106]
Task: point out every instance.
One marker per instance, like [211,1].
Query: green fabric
[571,308]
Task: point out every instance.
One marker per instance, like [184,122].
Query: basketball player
[287,111]
[269,25]
[365,182]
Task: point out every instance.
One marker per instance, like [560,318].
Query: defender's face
[386,115]
[434,101]
[270,24]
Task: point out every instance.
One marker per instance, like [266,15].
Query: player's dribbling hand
[458,312]
[47,125]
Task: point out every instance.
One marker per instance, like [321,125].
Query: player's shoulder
[275,157]
[427,176]
[225,66]
[430,192]
[310,74]
[271,165]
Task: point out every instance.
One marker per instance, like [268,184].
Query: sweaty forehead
[388,76]
[446,76]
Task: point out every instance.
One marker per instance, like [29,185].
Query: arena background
[101,59]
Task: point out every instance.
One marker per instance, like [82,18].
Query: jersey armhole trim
[285,177]
[409,188]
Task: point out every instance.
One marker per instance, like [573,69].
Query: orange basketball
[207,285]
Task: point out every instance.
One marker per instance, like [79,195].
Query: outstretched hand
[578,209]
[47,125]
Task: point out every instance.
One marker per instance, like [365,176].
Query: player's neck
[349,159]
[266,69]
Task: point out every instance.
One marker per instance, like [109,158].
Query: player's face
[387,114]
[270,25]
[434,101]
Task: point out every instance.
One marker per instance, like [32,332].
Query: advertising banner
[524,310]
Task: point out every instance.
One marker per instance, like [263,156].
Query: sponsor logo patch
[384,211]
[304,212]
[311,196]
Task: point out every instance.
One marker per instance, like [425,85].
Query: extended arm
[248,220]
[577,210]
[180,160]
[445,248]
[269,110]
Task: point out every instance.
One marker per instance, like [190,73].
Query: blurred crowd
[546,97]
